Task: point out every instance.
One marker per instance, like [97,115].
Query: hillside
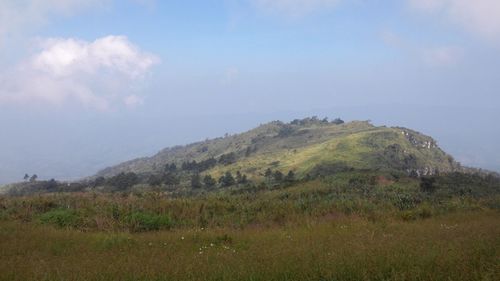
[307,146]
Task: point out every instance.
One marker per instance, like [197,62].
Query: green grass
[359,149]
[452,247]
[356,144]
[356,225]
[60,218]
[144,221]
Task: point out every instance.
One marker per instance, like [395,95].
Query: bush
[142,221]
[427,184]
[405,202]
[61,218]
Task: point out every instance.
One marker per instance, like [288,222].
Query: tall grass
[299,204]
[357,226]
[452,247]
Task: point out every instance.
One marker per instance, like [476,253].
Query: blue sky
[102,81]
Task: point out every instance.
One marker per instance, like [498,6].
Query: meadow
[354,226]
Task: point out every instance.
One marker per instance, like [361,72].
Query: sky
[85,84]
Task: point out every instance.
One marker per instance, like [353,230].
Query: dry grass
[460,246]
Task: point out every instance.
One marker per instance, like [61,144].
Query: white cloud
[295,8]
[94,74]
[477,16]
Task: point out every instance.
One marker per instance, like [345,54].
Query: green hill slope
[307,146]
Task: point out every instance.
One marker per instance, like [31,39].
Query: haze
[88,84]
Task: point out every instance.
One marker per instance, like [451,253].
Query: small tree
[51,185]
[171,167]
[209,181]
[227,179]
[33,178]
[285,131]
[227,159]
[26,177]
[248,151]
[290,177]
[196,181]
[268,173]
[238,176]
[278,176]
[170,179]
[154,180]
[338,121]
[427,184]
[241,178]
[100,181]
[124,180]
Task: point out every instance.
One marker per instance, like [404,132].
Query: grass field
[352,226]
[460,246]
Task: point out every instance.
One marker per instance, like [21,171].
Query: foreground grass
[458,246]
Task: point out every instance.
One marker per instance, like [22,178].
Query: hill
[307,146]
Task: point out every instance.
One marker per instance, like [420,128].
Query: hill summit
[307,147]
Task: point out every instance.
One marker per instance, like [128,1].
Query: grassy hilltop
[307,147]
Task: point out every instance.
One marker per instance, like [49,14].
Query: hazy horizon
[88,84]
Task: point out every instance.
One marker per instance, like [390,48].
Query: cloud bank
[97,75]
[480,17]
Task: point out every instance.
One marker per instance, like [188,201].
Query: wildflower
[182,238]
[211,244]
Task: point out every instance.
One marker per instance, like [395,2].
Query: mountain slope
[305,146]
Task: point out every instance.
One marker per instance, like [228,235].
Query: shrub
[61,218]
[427,184]
[142,221]
[405,202]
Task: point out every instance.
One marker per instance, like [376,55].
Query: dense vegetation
[279,201]
[399,228]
